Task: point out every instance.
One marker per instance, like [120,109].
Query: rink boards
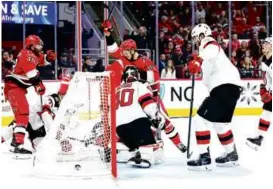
[176,95]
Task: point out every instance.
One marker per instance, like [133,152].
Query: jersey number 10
[124,97]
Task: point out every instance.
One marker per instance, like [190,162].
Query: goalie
[127,55]
[136,112]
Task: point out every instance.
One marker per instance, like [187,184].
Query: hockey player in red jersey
[41,116]
[25,75]
[127,55]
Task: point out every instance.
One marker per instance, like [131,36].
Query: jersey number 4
[125,97]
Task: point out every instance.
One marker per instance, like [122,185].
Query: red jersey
[25,68]
[144,64]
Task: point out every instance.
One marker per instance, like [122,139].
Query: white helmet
[201,28]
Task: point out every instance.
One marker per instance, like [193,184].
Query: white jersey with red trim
[134,101]
[217,69]
[267,69]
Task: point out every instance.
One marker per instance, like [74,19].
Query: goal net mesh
[81,140]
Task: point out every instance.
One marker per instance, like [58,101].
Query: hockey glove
[107,27]
[195,64]
[159,121]
[50,56]
[266,96]
[40,88]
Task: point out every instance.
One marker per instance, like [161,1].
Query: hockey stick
[190,117]
[110,10]
[41,100]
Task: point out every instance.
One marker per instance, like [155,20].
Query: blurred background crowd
[160,29]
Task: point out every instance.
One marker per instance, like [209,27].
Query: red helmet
[33,40]
[128,44]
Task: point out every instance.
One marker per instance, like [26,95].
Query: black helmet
[130,74]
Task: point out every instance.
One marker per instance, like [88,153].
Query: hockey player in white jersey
[41,116]
[223,82]
[266,96]
[136,112]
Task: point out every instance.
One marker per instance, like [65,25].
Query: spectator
[178,57]
[7,63]
[141,38]
[243,29]
[169,71]
[223,18]
[253,13]
[179,61]
[238,15]
[88,64]
[170,48]
[99,66]
[164,25]
[235,43]
[200,13]
[64,63]
[86,35]
[126,34]
[234,59]
[258,25]
[219,8]
[219,39]
[219,31]
[162,42]
[242,50]
[262,32]
[162,62]
[187,50]
[254,46]
[186,20]
[247,70]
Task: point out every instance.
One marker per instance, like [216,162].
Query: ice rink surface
[255,170]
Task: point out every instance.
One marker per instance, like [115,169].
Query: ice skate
[228,159]
[182,147]
[21,151]
[255,143]
[201,164]
[137,161]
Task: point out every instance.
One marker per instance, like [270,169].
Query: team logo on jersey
[249,93]
[162,90]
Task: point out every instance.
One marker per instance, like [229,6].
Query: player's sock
[225,136]
[19,133]
[172,133]
[227,140]
[264,122]
[263,126]
[203,140]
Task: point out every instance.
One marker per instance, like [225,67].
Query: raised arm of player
[112,46]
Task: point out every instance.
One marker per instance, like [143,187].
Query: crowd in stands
[66,64]
[175,45]
[176,21]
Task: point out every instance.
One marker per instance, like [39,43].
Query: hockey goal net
[81,141]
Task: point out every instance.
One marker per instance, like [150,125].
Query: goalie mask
[53,101]
[130,74]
